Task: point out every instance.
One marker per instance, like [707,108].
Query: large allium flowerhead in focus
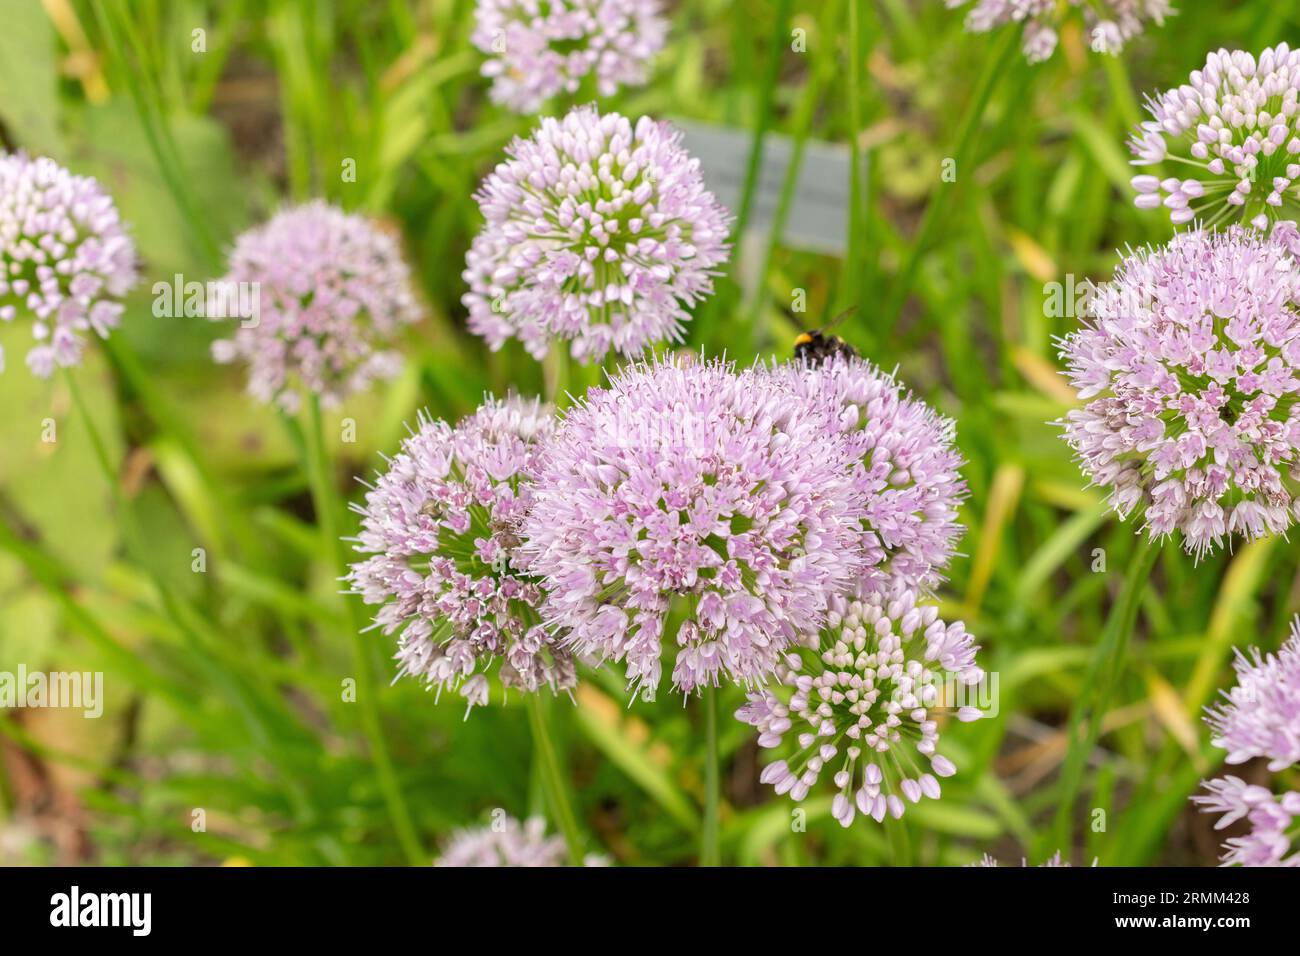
[1110,23]
[908,474]
[599,231]
[65,258]
[1188,368]
[539,48]
[694,506]
[441,528]
[862,703]
[1232,131]
[333,293]
[1261,714]
[1274,821]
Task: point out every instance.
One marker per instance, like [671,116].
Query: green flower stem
[160,410]
[802,123]
[328,511]
[57,581]
[900,844]
[767,99]
[554,782]
[126,513]
[854,241]
[556,370]
[101,456]
[1108,662]
[119,35]
[726,300]
[204,642]
[710,834]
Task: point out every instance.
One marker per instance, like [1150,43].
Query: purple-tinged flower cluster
[1260,719]
[1261,716]
[539,48]
[909,475]
[332,292]
[442,528]
[1233,131]
[1274,821]
[863,704]
[505,842]
[1188,368]
[1110,23]
[692,505]
[1052,861]
[598,231]
[65,259]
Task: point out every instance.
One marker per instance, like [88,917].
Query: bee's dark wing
[838,319]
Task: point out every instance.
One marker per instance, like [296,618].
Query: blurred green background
[224,687]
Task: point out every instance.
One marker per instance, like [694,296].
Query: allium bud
[1233,133]
[65,259]
[864,704]
[332,292]
[599,232]
[538,48]
[442,528]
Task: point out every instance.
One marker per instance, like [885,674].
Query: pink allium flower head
[1110,23]
[507,842]
[1261,716]
[862,703]
[1188,368]
[441,528]
[1233,131]
[1052,861]
[332,292]
[1272,820]
[598,231]
[65,258]
[692,505]
[908,474]
[539,49]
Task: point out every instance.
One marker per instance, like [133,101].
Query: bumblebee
[816,346]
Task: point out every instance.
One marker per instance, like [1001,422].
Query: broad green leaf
[29,77]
